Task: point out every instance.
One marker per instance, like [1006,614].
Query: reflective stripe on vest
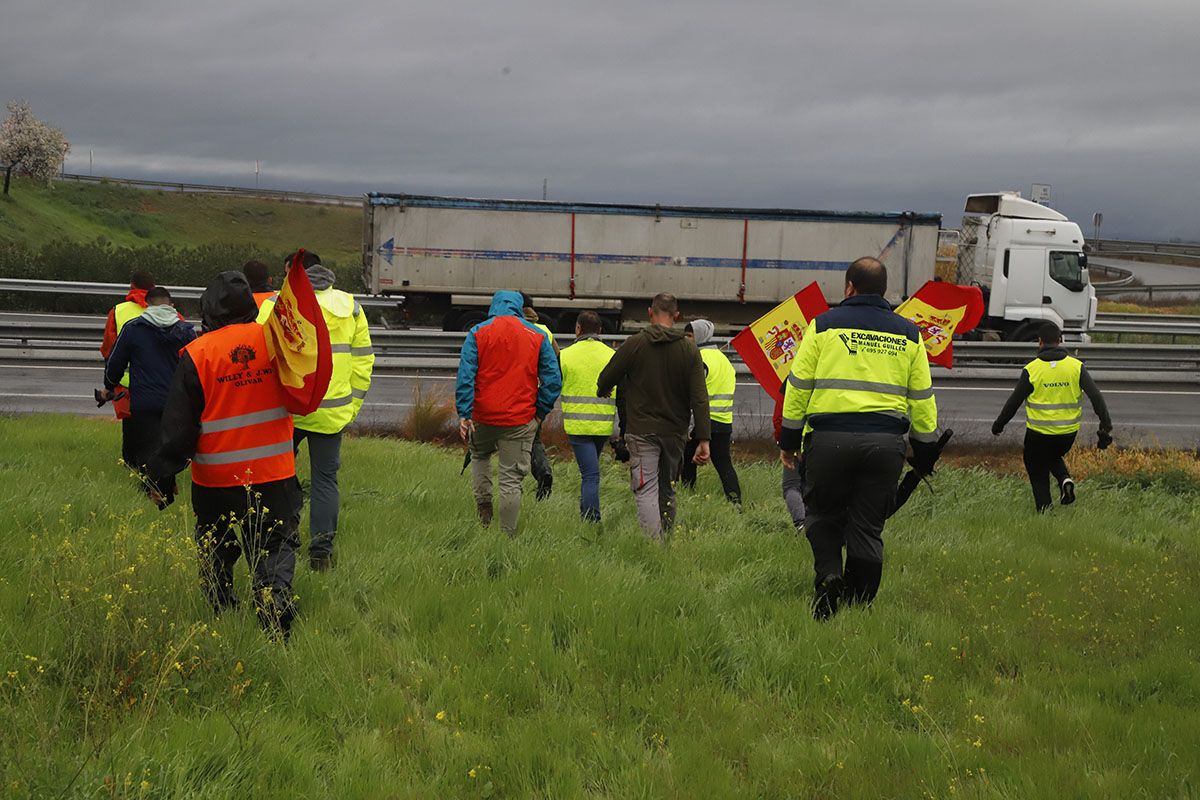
[245,430]
[123,313]
[1056,404]
[584,414]
[721,380]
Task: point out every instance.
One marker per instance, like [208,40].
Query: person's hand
[924,457]
[702,454]
[788,459]
[1103,439]
[620,450]
[997,428]
[466,427]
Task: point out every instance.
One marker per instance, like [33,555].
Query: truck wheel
[1027,331]
[469,319]
[566,323]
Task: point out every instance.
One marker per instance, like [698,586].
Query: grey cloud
[846,105]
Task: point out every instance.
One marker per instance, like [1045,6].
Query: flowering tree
[29,146]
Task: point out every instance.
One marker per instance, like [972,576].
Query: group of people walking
[859,385]
[645,398]
[215,402]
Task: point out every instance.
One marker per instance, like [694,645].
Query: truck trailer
[446,256]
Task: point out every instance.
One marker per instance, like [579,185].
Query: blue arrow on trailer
[388,249]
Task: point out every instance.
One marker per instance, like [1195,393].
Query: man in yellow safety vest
[118,316]
[539,462]
[721,381]
[1052,388]
[860,381]
[353,362]
[587,419]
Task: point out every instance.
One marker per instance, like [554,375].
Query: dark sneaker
[544,486]
[485,513]
[1068,492]
[320,562]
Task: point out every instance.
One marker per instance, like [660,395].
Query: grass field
[36,214]
[1009,655]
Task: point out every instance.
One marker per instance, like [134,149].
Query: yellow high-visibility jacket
[721,380]
[1056,404]
[585,414]
[353,361]
[123,313]
[860,367]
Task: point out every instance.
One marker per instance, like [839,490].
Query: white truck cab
[1029,261]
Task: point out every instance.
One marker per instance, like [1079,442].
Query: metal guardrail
[1160,248]
[75,342]
[1162,289]
[205,188]
[37,286]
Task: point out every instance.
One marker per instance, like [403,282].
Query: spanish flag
[941,310]
[298,341]
[770,343]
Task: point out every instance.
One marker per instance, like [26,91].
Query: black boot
[862,581]
[828,592]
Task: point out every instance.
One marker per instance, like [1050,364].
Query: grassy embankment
[36,214]
[104,232]
[1009,655]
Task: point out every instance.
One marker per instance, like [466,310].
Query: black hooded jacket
[226,301]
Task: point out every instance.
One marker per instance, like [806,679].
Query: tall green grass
[1009,655]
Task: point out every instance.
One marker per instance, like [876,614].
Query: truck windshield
[1069,270]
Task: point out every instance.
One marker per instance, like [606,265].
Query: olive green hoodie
[661,376]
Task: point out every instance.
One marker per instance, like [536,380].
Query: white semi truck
[446,256]
[1030,263]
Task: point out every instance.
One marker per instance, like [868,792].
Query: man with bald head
[860,381]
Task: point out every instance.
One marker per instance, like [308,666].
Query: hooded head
[321,276]
[227,301]
[702,330]
[506,304]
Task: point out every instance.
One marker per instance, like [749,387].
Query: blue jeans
[587,456]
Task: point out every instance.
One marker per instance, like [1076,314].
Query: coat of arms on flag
[298,341]
[941,310]
[769,344]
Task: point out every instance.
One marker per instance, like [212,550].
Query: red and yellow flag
[769,344]
[941,310]
[298,341]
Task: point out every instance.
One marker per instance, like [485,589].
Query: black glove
[620,451]
[997,428]
[1103,439]
[925,455]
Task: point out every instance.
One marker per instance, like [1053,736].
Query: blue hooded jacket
[507,371]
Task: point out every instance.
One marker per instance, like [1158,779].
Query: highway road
[1144,414]
[1152,274]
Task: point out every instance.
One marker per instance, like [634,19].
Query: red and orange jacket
[507,371]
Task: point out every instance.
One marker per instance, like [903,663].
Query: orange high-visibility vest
[262,297]
[245,430]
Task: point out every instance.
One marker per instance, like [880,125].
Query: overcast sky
[879,106]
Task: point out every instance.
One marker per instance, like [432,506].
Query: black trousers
[140,434]
[722,458]
[256,521]
[139,438]
[849,489]
[1044,457]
